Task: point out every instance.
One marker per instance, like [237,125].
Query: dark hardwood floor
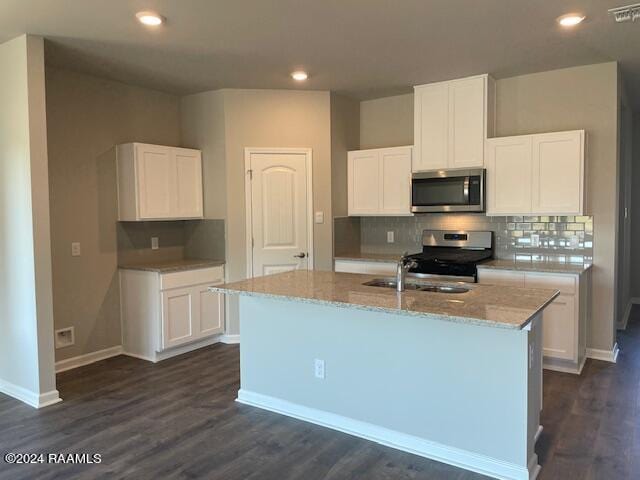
[178,419]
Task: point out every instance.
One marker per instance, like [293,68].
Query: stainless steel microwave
[460,190]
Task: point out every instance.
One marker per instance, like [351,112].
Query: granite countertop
[370,257]
[173,265]
[496,306]
[549,265]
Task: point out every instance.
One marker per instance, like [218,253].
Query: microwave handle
[465,190]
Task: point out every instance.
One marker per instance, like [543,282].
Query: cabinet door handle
[301,255]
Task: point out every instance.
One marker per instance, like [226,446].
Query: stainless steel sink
[421,287]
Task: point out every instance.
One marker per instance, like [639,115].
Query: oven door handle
[465,190]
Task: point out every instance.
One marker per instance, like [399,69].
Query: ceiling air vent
[629,13]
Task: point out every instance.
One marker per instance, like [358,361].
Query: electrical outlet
[154,243]
[319,217]
[65,337]
[535,240]
[319,368]
[391,236]
[574,241]
[75,249]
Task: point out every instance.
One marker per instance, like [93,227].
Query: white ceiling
[362,48]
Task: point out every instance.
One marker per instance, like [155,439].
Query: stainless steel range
[451,255]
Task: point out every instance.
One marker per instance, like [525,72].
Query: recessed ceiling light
[150,19]
[570,19]
[299,76]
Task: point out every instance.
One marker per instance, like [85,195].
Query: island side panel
[460,385]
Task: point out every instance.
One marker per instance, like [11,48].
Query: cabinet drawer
[565,283]
[501,277]
[191,277]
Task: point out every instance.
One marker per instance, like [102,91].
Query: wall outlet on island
[75,249]
[319,368]
[154,243]
[391,236]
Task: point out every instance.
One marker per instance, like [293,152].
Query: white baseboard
[175,351]
[81,360]
[394,439]
[627,313]
[32,399]
[604,355]
[230,339]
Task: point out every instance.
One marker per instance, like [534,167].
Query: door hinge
[250,173]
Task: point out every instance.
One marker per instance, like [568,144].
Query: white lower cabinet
[167,314]
[564,320]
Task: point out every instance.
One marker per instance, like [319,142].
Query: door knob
[301,255]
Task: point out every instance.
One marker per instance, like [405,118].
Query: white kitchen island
[456,377]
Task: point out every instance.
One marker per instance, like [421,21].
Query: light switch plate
[391,236]
[75,249]
[319,217]
[154,243]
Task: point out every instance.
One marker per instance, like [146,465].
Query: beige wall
[345,136]
[203,127]
[26,311]
[567,99]
[386,122]
[227,121]
[87,116]
[573,98]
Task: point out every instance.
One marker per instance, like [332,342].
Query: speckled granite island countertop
[172,266]
[538,265]
[497,306]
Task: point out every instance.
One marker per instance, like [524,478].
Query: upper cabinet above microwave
[452,120]
[158,183]
[541,174]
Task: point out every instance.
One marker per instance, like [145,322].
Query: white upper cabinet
[395,181]
[158,183]
[508,163]
[451,122]
[558,173]
[540,174]
[379,181]
[431,127]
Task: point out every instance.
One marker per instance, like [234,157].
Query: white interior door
[279,211]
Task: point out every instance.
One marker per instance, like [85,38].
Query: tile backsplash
[179,239]
[568,236]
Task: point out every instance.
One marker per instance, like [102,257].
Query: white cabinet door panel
[211,313]
[188,184]
[508,162]
[558,176]
[558,329]
[395,181]
[178,317]
[431,129]
[154,168]
[364,182]
[467,122]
